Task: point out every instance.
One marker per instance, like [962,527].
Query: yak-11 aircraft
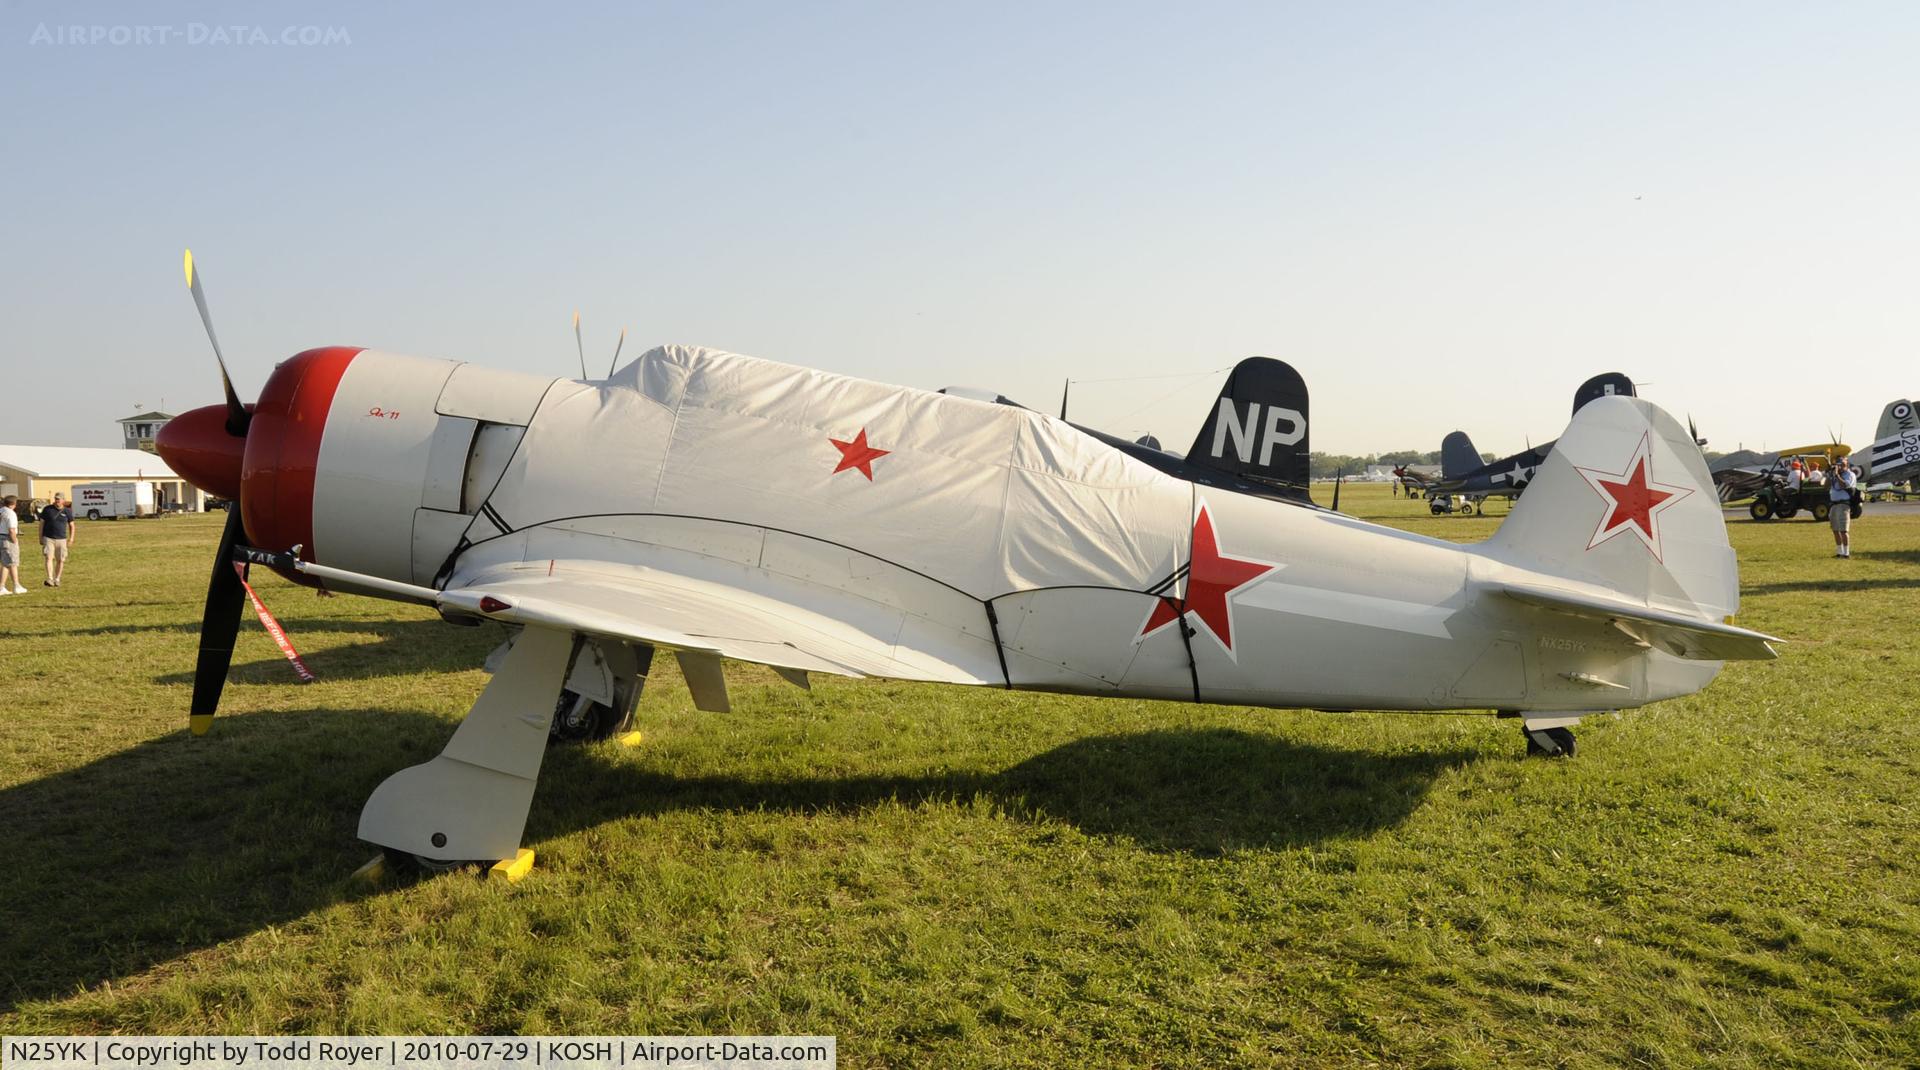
[717,506]
[1465,474]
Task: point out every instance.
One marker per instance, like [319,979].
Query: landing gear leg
[601,692]
[470,803]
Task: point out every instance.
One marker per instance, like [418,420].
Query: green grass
[954,877]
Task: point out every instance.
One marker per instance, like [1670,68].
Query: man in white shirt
[10,548]
[1840,506]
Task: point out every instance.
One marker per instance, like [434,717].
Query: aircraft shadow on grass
[1203,791]
[402,648]
[176,845]
[1836,584]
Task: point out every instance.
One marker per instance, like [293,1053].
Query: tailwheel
[1549,742]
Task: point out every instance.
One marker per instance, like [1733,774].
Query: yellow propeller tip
[198,723]
[189,266]
[576,317]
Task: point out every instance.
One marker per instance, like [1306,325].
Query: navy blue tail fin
[1604,385]
[1258,426]
[1457,456]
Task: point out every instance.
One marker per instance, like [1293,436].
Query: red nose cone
[282,459]
[196,445]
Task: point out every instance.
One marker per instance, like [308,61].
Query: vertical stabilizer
[1898,416]
[1604,385]
[1625,502]
[1458,457]
[1258,425]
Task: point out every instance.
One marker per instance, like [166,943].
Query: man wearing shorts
[56,537]
[10,547]
[1840,506]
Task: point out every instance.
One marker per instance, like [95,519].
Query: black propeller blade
[219,624]
[237,415]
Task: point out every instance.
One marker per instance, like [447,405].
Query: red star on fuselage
[857,454]
[1212,579]
[1634,499]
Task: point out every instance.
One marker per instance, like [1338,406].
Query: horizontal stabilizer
[1677,634]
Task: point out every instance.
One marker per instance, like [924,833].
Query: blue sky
[1445,215]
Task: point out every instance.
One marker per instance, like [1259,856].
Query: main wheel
[1761,509]
[410,864]
[578,719]
[1820,510]
[1549,742]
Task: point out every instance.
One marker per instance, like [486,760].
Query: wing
[1679,635]
[856,621]
[693,614]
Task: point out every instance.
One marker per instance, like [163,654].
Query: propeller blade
[616,352]
[237,415]
[577,344]
[219,624]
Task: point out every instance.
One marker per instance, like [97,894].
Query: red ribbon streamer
[273,626]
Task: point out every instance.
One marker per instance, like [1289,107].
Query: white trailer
[111,501]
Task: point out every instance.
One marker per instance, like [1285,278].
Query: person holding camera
[1840,505]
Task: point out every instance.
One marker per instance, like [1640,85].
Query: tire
[1820,510]
[1560,743]
[1467,509]
[1433,506]
[408,865]
[576,720]
[93,514]
[1761,509]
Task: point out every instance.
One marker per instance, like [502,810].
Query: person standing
[1840,506]
[10,547]
[56,537]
